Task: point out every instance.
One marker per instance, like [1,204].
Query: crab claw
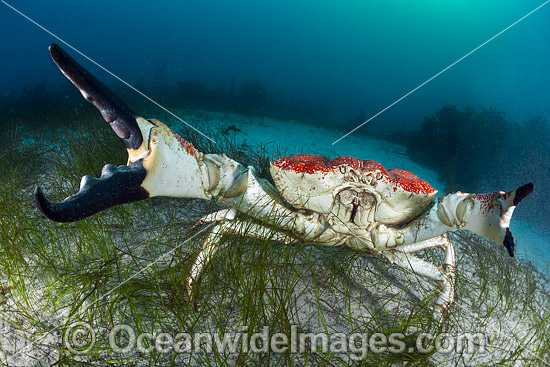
[115,186]
[489,215]
[119,115]
[509,201]
[160,162]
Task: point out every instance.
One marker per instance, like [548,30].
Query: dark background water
[344,56]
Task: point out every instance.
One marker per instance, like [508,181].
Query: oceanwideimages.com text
[81,338]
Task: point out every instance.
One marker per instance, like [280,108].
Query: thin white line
[444,70]
[46,333]
[112,74]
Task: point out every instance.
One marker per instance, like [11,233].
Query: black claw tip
[509,242]
[41,202]
[522,192]
[116,186]
[120,116]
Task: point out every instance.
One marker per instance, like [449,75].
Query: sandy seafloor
[292,137]
[280,138]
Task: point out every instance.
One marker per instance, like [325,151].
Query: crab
[344,202]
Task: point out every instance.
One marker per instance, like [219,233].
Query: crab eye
[379,175]
[342,169]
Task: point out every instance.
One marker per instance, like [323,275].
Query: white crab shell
[312,182]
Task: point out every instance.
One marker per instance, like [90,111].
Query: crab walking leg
[444,276]
[487,215]
[212,244]
[219,216]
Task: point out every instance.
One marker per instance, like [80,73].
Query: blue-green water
[346,56]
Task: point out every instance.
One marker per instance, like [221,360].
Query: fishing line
[442,71]
[108,71]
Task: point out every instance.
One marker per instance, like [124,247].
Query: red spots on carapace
[303,163]
[410,182]
[309,163]
[316,164]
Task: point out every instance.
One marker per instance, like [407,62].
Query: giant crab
[344,202]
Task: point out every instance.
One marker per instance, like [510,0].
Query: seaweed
[128,265]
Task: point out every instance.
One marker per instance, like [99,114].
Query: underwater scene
[290,183]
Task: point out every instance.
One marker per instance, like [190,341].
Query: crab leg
[212,244]
[444,275]
[487,215]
